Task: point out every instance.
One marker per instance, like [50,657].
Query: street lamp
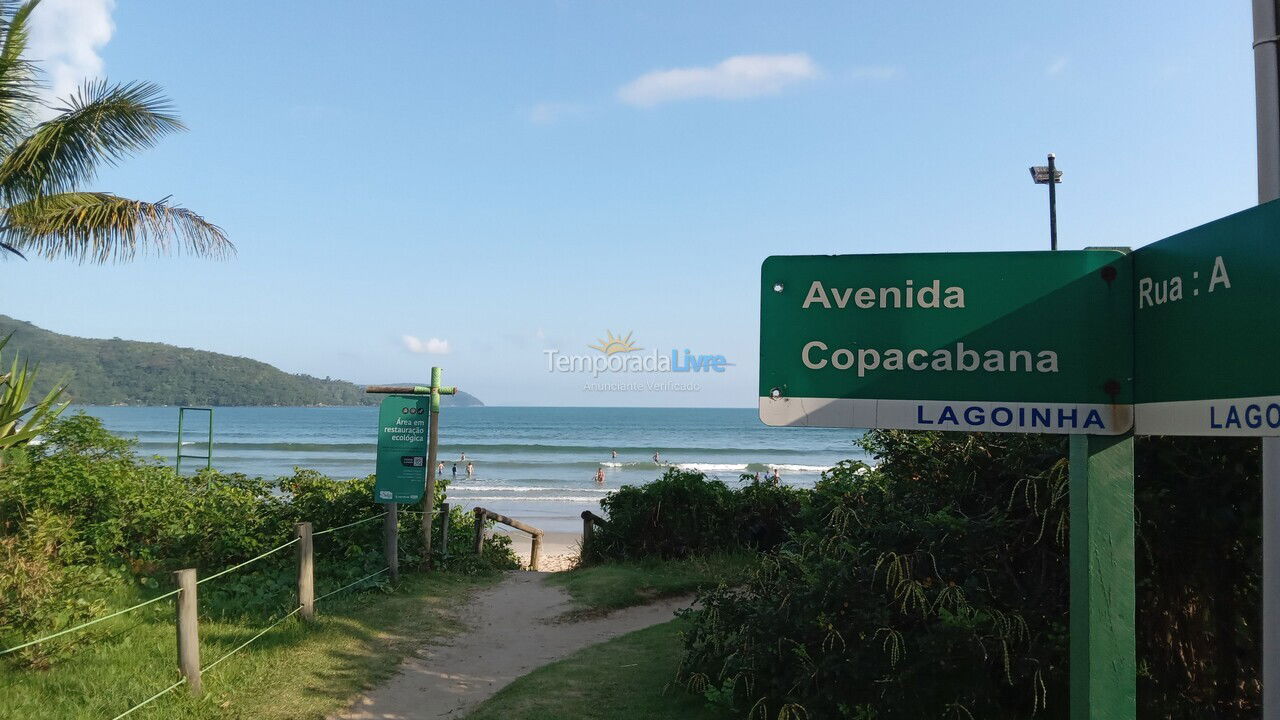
[1041,174]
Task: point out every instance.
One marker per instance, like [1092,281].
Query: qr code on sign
[417,462]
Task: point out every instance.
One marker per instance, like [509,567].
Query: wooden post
[429,496]
[479,530]
[444,530]
[306,571]
[188,630]
[1103,677]
[391,539]
[534,551]
[588,532]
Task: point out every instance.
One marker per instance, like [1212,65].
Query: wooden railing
[589,522]
[483,514]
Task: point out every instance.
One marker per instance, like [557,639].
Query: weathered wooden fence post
[391,539]
[535,550]
[188,630]
[306,571]
[444,530]
[479,530]
[588,535]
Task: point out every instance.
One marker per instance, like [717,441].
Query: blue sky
[515,177]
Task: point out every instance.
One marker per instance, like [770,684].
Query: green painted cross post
[1103,669]
[434,390]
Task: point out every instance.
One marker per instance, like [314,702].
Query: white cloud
[1057,66]
[546,113]
[735,78]
[878,73]
[66,36]
[433,346]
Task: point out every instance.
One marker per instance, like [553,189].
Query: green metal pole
[209,449]
[177,460]
[429,496]
[1103,596]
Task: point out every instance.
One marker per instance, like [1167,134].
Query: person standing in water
[657,459]
[455,469]
[599,476]
[470,469]
[440,468]
[615,454]
[462,457]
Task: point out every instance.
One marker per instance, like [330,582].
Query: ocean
[533,464]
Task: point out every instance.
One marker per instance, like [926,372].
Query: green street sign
[402,448]
[1003,341]
[1207,324]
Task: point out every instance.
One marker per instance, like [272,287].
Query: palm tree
[43,209]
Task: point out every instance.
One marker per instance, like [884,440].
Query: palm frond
[99,227]
[100,123]
[19,81]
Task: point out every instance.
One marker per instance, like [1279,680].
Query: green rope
[246,562]
[343,527]
[91,622]
[148,700]
[246,643]
[344,587]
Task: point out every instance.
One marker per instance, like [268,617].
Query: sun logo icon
[610,345]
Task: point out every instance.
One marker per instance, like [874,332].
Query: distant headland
[129,372]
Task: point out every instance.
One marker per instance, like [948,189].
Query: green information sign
[1001,341]
[402,448]
[1207,322]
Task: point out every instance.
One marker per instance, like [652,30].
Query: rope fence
[95,621]
[350,585]
[233,568]
[187,614]
[149,700]
[352,524]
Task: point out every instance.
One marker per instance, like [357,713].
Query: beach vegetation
[87,526]
[21,418]
[52,148]
[936,585]
[685,514]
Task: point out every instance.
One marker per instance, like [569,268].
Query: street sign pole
[435,390]
[1103,668]
[1267,92]
[429,497]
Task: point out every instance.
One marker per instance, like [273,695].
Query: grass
[297,670]
[613,585]
[627,678]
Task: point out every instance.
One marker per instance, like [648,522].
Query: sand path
[513,628]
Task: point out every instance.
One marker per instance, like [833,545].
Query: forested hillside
[107,372]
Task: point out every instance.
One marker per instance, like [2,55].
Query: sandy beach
[559,549]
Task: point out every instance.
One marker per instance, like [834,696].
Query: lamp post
[1041,174]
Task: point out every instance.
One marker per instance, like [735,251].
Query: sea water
[534,464]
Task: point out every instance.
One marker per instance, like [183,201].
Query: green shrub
[933,586]
[43,589]
[83,507]
[684,513]
[936,586]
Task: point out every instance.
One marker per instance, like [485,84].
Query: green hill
[115,371]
